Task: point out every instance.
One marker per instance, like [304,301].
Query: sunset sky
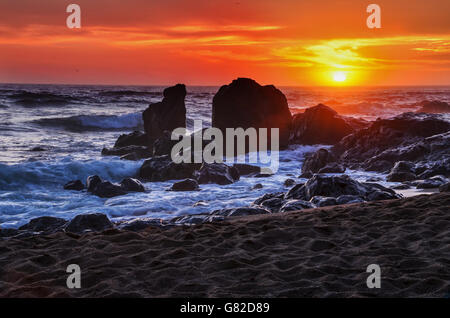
[211,42]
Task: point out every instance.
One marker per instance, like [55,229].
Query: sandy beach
[320,252]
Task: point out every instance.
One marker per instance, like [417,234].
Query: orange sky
[211,42]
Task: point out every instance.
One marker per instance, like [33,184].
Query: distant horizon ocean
[72,123]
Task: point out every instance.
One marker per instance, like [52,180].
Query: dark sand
[319,253]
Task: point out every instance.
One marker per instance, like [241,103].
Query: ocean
[72,123]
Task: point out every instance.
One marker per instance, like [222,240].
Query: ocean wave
[95,122]
[28,175]
[32,99]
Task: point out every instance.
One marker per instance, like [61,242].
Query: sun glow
[339,76]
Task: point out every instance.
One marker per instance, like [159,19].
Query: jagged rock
[434,182]
[164,144]
[128,152]
[320,125]
[218,173]
[136,138]
[402,171]
[76,185]
[246,104]
[270,201]
[257,186]
[289,182]
[445,187]
[241,212]
[317,160]
[162,168]
[346,199]
[246,169]
[132,185]
[332,168]
[141,224]
[46,224]
[321,201]
[168,114]
[185,185]
[434,107]
[295,205]
[106,189]
[95,222]
[196,219]
[92,182]
[401,187]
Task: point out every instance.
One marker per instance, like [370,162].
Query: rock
[402,171]
[306,175]
[332,168]
[106,189]
[128,152]
[196,219]
[164,144]
[37,149]
[411,137]
[319,125]
[295,205]
[136,138]
[185,185]
[162,168]
[92,182]
[434,182]
[270,201]
[132,185]
[336,186]
[346,199]
[246,104]
[427,170]
[434,107]
[241,212]
[218,173]
[289,182]
[141,224]
[96,222]
[445,187]
[401,187]
[246,170]
[168,114]
[76,185]
[321,201]
[257,186]
[46,224]
[317,160]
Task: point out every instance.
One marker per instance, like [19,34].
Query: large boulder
[168,114]
[132,185]
[76,185]
[185,185]
[434,107]
[317,160]
[162,168]
[46,224]
[107,189]
[218,173]
[320,125]
[244,103]
[402,171]
[92,182]
[136,138]
[95,222]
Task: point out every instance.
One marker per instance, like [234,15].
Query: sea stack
[245,103]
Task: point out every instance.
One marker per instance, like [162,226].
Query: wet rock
[246,169]
[141,224]
[402,171]
[289,182]
[246,104]
[92,182]
[162,168]
[321,201]
[295,205]
[346,199]
[317,160]
[270,201]
[332,168]
[164,144]
[319,125]
[401,187]
[96,222]
[196,219]
[434,107]
[166,115]
[218,173]
[38,149]
[106,189]
[445,187]
[136,138]
[128,152]
[306,175]
[46,224]
[434,182]
[132,185]
[185,185]
[257,186]
[241,211]
[76,185]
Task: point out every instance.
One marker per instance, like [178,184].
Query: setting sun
[339,76]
